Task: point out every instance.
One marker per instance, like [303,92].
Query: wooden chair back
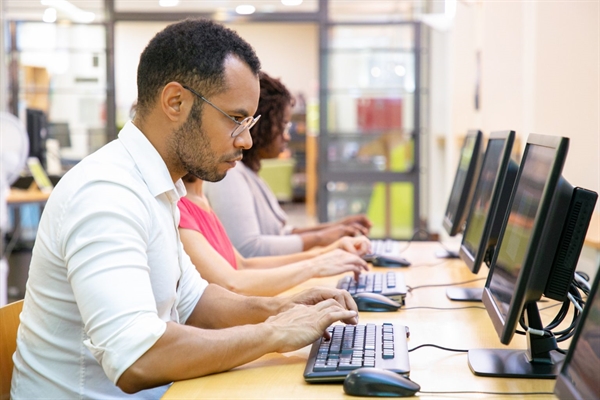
[9,324]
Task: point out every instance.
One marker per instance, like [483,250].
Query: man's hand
[304,322]
[320,294]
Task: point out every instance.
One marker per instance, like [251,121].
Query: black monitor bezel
[474,261]
[453,227]
[530,268]
[563,388]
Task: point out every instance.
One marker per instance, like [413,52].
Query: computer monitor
[578,377]
[488,208]
[463,187]
[37,130]
[61,132]
[538,248]
[464,183]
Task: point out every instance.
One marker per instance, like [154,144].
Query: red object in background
[379,114]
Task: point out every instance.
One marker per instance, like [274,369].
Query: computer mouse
[386,260]
[377,382]
[375,302]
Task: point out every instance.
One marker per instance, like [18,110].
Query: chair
[9,323]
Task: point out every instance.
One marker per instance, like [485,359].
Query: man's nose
[243,140]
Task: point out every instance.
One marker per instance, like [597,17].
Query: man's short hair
[191,52]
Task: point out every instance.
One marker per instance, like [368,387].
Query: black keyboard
[390,284]
[351,347]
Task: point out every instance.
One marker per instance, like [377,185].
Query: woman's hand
[359,245]
[338,262]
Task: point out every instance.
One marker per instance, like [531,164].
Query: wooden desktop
[279,376]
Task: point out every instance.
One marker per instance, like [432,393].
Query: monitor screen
[37,130]
[464,183]
[488,207]
[578,378]
[521,263]
[510,285]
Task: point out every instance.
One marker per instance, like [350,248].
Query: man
[113,303]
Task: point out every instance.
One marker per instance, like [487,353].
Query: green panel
[401,210]
[277,173]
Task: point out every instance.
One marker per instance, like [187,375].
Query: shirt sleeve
[104,246]
[233,202]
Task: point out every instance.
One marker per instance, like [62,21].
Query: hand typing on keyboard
[338,262]
[309,314]
[359,245]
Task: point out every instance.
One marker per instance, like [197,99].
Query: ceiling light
[376,72]
[74,12]
[400,70]
[291,2]
[49,15]
[168,3]
[245,9]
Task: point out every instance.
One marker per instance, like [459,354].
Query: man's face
[203,144]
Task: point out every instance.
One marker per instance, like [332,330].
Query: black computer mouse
[387,260]
[377,382]
[366,301]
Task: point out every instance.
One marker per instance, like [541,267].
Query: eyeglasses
[242,125]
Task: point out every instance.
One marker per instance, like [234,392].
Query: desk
[21,196]
[280,375]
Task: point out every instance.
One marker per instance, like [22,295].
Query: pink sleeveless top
[207,223]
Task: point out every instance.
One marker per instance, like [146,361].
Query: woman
[248,209]
[210,250]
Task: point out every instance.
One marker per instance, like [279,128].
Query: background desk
[280,375]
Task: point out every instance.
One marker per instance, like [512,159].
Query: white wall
[292,57]
[539,74]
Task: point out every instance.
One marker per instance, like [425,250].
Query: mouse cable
[493,393]
[415,234]
[410,289]
[443,308]
[437,347]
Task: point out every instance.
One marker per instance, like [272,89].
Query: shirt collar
[149,162]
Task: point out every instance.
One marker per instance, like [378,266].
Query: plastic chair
[9,324]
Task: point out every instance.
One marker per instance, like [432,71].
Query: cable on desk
[443,308]
[493,393]
[412,238]
[410,289]
[438,347]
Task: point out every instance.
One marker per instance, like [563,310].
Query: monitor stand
[539,361]
[446,254]
[464,294]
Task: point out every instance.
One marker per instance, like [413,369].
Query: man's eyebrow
[240,111]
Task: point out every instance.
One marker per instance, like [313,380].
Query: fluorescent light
[168,3]
[74,12]
[291,2]
[49,15]
[245,9]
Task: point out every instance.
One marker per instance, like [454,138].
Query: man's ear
[175,101]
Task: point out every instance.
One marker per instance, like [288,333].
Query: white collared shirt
[107,272]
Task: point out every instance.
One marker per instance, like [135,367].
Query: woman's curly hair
[274,98]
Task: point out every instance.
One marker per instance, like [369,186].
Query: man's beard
[193,150]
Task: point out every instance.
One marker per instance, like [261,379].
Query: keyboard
[351,347]
[386,246]
[390,284]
